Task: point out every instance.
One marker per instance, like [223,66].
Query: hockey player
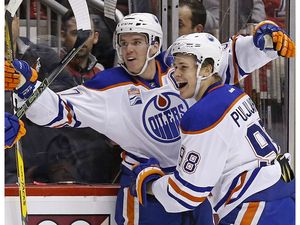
[136,106]
[226,154]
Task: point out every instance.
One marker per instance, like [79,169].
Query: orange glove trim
[34,75]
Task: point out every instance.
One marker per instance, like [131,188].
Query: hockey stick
[10,12]
[83,24]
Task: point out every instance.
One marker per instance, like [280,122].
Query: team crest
[134,95]
[161,117]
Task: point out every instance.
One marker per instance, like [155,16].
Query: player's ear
[198,28]
[207,70]
[154,48]
[96,37]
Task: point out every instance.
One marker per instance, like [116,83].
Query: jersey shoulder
[109,78]
[211,109]
[160,59]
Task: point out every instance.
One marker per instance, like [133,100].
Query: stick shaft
[9,54]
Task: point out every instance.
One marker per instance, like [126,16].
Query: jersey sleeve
[74,107]
[200,165]
[241,57]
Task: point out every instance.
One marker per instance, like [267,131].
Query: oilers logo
[161,116]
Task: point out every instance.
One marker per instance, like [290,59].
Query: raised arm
[244,54]
[74,107]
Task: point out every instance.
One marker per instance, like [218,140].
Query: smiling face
[134,49]
[185,74]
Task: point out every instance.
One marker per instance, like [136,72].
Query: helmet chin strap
[198,82]
[199,79]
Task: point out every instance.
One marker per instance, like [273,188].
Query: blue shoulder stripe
[109,78]
[211,109]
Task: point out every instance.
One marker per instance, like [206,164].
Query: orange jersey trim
[185,194]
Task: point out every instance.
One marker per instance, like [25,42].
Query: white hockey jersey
[141,116]
[225,155]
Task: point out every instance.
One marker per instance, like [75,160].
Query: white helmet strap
[199,79]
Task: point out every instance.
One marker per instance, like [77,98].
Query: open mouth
[130,59]
[181,84]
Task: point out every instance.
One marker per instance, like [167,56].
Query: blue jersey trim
[77,123]
[226,196]
[181,202]
[246,186]
[60,113]
[191,186]
[233,185]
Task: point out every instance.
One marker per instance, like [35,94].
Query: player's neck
[150,71]
[204,86]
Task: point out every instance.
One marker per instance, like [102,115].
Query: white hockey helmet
[144,23]
[201,45]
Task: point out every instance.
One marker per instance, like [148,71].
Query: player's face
[185,74]
[70,36]
[134,49]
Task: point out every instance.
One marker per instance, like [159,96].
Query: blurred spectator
[84,65]
[212,18]
[103,50]
[192,16]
